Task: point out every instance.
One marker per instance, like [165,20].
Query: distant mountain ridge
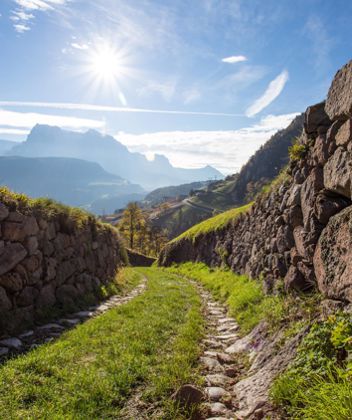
[48,141]
[72,181]
[6,145]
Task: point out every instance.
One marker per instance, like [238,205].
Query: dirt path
[30,339]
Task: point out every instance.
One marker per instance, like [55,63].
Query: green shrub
[297,151]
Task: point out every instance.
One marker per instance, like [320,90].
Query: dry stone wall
[302,230]
[50,262]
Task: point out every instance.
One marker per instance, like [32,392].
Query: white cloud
[25,9]
[79,46]
[21,120]
[21,28]
[103,108]
[234,59]
[14,131]
[225,150]
[272,92]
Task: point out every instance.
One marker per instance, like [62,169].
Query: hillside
[234,190]
[72,181]
[47,141]
[165,194]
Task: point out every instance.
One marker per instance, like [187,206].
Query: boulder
[344,134]
[10,256]
[328,204]
[338,172]
[315,117]
[333,257]
[310,189]
[339,101]
[66,294]
[295,280]
[188,395]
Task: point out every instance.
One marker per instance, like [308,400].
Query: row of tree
[139,233]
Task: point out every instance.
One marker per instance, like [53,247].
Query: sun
[106,63]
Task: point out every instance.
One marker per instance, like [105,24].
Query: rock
[12,343]
[218,379]
[328,204]
[310,188]
[344,134]
[11,281]
[339,100]
[333,258]
[32,245]
[211,364]
[216,393]
[4,212]
[18,231]
[5,302]
[27,296]
[218,409]
[315,117]
[337,173]
[295,197]
[10,256]
[66,294]
[321,150]
[52,326]
[46,297]
[3,351]
[188,395]
[294,280]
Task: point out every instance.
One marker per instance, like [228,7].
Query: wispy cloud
[226,150]
[103,108]
[272,92]
[234,59]
[26,120]
[24,13]
[78,46]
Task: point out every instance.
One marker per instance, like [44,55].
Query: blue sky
[231,72]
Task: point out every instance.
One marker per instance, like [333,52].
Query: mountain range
[114,157]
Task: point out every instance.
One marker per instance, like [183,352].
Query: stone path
[30,339]
[220,369]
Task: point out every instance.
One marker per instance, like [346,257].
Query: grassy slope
[214,223]
[92,370]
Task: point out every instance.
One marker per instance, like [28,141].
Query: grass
[150,343]
[247,302]
[244,297]
[318,384]
[213,224]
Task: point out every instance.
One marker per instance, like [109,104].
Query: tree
[130,222]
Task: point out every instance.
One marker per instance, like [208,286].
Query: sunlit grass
[150,343]
[214,223]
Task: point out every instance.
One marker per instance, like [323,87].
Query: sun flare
[106,63]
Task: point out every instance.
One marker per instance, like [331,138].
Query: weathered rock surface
[339,101]
[333,257]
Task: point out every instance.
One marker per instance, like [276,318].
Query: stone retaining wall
[50,262]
